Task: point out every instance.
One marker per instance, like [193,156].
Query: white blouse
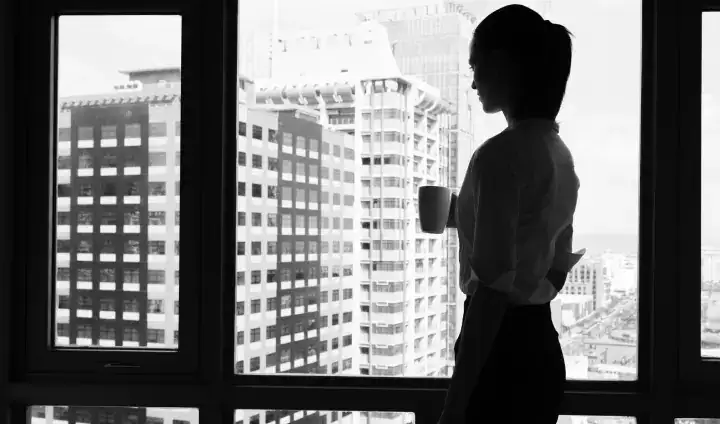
[514,213]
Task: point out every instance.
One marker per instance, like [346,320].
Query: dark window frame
[200,374]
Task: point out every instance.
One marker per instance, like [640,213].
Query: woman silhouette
[514,217]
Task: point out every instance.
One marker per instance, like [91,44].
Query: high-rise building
[298,223]
[431,42]
[588,278]
[119,216]
[402,125]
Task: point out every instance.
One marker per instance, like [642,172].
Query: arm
[496,211]
[451,215]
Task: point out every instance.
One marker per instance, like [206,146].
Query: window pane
[117,201]
[320,167]
[112,415]
[247,416]
[710,236]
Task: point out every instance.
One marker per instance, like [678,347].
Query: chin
[490,108]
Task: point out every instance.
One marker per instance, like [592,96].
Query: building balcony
[387,170]
[388,275]
[389,297]
[384,255]
[386,317]
[389,213]
[386,339]
[386,360]
[376,147]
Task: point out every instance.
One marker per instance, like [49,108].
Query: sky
[599,120]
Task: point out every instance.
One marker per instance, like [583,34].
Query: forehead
[476,57]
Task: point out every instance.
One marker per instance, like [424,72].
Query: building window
[257,190]
[255,306]
[272,220]
[257,162]
[240,278]
[256,248]
[256,275]
[156,247]
[241,248]
[240,308]
[257,132]
[272,192]
[241,219]
[156,336]
[242,128]
[241,188]
[242,159]
[271,305]
[156,218]
[272,164]
[157,189]
[157,159]
[107,333]
[347,317]
[254,366]
[155,306]
[256,218]
[131,335]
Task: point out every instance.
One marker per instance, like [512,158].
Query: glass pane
[247,416]
[112,415]
[697,421]
[343,153]
[710,235]
[118,214]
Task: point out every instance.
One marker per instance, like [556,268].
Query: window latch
[120,365]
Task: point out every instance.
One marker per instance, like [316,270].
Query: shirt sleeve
[497,208]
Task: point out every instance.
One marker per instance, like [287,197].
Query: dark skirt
[523,379]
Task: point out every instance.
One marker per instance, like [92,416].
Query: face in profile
[490,80]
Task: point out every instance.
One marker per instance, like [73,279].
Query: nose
[473,85]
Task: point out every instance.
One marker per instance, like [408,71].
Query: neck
[513,119]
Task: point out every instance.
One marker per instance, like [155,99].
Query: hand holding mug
[434,208]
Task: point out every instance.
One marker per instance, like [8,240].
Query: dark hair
[542,50]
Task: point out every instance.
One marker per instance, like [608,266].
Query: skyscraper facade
[402,125]
[431,42]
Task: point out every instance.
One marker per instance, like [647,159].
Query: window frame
[37,176]
[204,377]
[694,371]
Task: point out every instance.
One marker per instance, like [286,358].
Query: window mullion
[7,174]
[659,305]
[217,22]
